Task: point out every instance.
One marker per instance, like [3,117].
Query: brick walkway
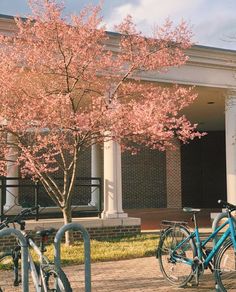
[129,275]
[134,275]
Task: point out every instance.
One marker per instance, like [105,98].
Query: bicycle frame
[34,274]
[41,274]
[201,244]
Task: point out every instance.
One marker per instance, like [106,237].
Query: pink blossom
[62,86]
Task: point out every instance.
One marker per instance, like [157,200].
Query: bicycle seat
[191,210]
[45,232]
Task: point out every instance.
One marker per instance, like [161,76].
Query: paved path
[134,275]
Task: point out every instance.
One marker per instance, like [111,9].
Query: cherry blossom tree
[64,86]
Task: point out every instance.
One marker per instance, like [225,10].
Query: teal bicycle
[183,256]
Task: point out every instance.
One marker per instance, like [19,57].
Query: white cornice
[7,25]
[212,57]
[207,66]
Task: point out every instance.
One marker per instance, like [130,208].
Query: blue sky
[213,21]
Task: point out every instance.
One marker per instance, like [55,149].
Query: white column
[96,171]
[230,139]
[112,181]
[12,193]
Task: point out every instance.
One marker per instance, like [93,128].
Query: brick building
[196,174]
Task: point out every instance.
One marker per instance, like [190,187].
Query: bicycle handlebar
[27,211]
[18,218]
[227,205]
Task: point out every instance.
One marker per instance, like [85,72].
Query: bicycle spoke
[226,268]
[171,259]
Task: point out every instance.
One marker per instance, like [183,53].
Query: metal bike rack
[24,255]
[87,260]
[216,221]
[215,224]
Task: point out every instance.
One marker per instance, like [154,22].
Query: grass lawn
[106,250]
[109,249]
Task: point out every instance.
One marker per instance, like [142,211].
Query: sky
[213,22]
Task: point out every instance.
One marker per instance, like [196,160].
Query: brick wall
[8,242]
[144,179]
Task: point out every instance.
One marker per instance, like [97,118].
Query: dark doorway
[203,170]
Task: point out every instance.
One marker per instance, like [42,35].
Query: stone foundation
[96,227]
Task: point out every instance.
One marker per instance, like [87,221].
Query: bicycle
[182,255]
[45,275]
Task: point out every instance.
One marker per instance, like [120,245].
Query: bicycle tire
[175,272]
[225,267]
[64,279]
[55,278]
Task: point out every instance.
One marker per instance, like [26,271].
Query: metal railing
[25,192]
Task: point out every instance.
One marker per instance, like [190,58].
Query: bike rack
[215,223]
[24,255]
[87,260]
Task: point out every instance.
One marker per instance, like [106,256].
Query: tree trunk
[68,219]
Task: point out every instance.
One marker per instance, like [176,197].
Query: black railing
[25,192]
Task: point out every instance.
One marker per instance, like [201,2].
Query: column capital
[230,93]
[230,99]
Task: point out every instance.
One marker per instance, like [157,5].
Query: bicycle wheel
[55,280]
[175,271]
[225,268]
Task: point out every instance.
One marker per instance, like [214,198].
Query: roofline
[211,48]
[117,34]
[6,16]
[11,17]
[204,47]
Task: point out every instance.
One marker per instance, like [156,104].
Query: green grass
[113,249]
[108,250]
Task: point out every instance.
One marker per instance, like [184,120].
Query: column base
[107,215]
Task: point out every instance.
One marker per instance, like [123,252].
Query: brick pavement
[129,275]
[136,275]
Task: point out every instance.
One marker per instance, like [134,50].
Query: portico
[212,72]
